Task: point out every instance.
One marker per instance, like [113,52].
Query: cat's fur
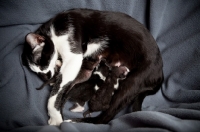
[80,33]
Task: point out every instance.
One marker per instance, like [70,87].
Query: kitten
[80,33]
[81,93]
[103,96]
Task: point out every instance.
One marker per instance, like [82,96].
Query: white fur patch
[55,115]
[116,85]
[71,62]
[78,108]
[69,121]
[126,73]
[127,70]
[51,84]
[101,75]
[93,48]
[61,43]
[58,63]
[70,69]
[96,87]
[118,64]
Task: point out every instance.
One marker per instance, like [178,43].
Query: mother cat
[79,33]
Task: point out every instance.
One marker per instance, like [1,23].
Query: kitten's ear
[34,39]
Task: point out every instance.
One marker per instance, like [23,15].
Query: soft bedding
[176,29]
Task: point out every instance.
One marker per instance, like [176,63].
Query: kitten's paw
[77,108]
[69,121]
[55,121]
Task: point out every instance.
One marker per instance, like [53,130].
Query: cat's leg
[69,71]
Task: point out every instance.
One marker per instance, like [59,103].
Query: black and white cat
[79,33]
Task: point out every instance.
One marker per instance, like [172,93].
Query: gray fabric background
[174,25]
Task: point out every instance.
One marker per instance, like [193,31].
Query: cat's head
[40,55]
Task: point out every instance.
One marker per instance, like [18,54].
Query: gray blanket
[175,26]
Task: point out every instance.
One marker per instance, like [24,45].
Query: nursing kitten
[79,33]
[101,100]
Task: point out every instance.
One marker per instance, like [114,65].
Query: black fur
[101,100]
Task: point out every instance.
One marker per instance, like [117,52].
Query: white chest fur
[62,44]
[71,64]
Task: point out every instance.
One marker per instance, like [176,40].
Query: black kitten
[101,100]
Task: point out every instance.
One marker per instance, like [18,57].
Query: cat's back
[104,17]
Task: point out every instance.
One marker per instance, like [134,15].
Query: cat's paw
[77,109]
[55,121]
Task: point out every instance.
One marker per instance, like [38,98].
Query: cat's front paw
[55,121]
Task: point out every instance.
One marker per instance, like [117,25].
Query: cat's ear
[34,40]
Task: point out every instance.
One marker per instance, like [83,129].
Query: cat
[78,33]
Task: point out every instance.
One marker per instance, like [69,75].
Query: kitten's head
[40,56]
